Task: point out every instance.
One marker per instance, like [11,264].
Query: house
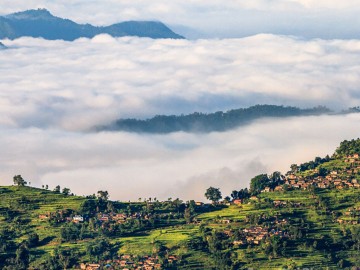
[89,266]
[43,217]
[78,219]
[199,203]
[104,217]
[322,185]
[226,221]
[279,188]
[237,202]
[292,177]
[267,189]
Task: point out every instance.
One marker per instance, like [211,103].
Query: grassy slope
[174,237]
[303,256]
[40,202]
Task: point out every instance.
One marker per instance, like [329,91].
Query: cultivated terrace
[308,217]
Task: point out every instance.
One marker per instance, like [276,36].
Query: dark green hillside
[307,218]
[218,121]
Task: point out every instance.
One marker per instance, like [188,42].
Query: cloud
[236,18]
[180,165]
[52,92]
[89,82]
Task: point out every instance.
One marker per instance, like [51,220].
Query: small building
[90,266]
[43,216]
[237,202]
[78,218]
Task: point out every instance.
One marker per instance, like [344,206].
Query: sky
[327,19]
[53,94]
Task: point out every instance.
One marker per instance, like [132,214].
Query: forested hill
[202,122]
[41,23]
[308,218]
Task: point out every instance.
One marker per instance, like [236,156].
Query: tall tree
[57,189]
[213,194]
[259,182]
[19,181]
[22,257]
[66,191]
[103,195]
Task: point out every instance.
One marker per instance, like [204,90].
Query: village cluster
[339,178]
[256,232]
[351,216]
[69,216]
[129,262]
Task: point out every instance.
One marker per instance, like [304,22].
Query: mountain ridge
[41,23]
[217,121]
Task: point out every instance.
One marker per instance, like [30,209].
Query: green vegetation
[308,218]
[218,121]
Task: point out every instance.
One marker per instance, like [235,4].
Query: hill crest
[41,23]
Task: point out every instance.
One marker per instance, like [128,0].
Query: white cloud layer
[51,92]
[75,86]
[181,165]
[234,18]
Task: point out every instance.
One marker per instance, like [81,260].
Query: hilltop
[308,217]
[41,23]
[218,121]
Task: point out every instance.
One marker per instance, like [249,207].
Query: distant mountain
[41,23]
[218,121]
[2,46]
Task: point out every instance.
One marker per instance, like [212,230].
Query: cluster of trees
[218,121]
[19,181]
[16,256]
[310,165]
[217,245]
[262,181]
[347,148]
[243,193]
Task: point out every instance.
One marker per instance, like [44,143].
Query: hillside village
[308,217]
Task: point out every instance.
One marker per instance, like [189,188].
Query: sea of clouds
[52,93]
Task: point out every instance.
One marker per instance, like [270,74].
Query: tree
[57,189]
[110,207]
[19,181]
[235,194]
[66,191]
[258,183]
[187,215]
[213,194]
[22,257]
[66,257]
[103,195]
[33,240]
[294,168]
[99,250]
